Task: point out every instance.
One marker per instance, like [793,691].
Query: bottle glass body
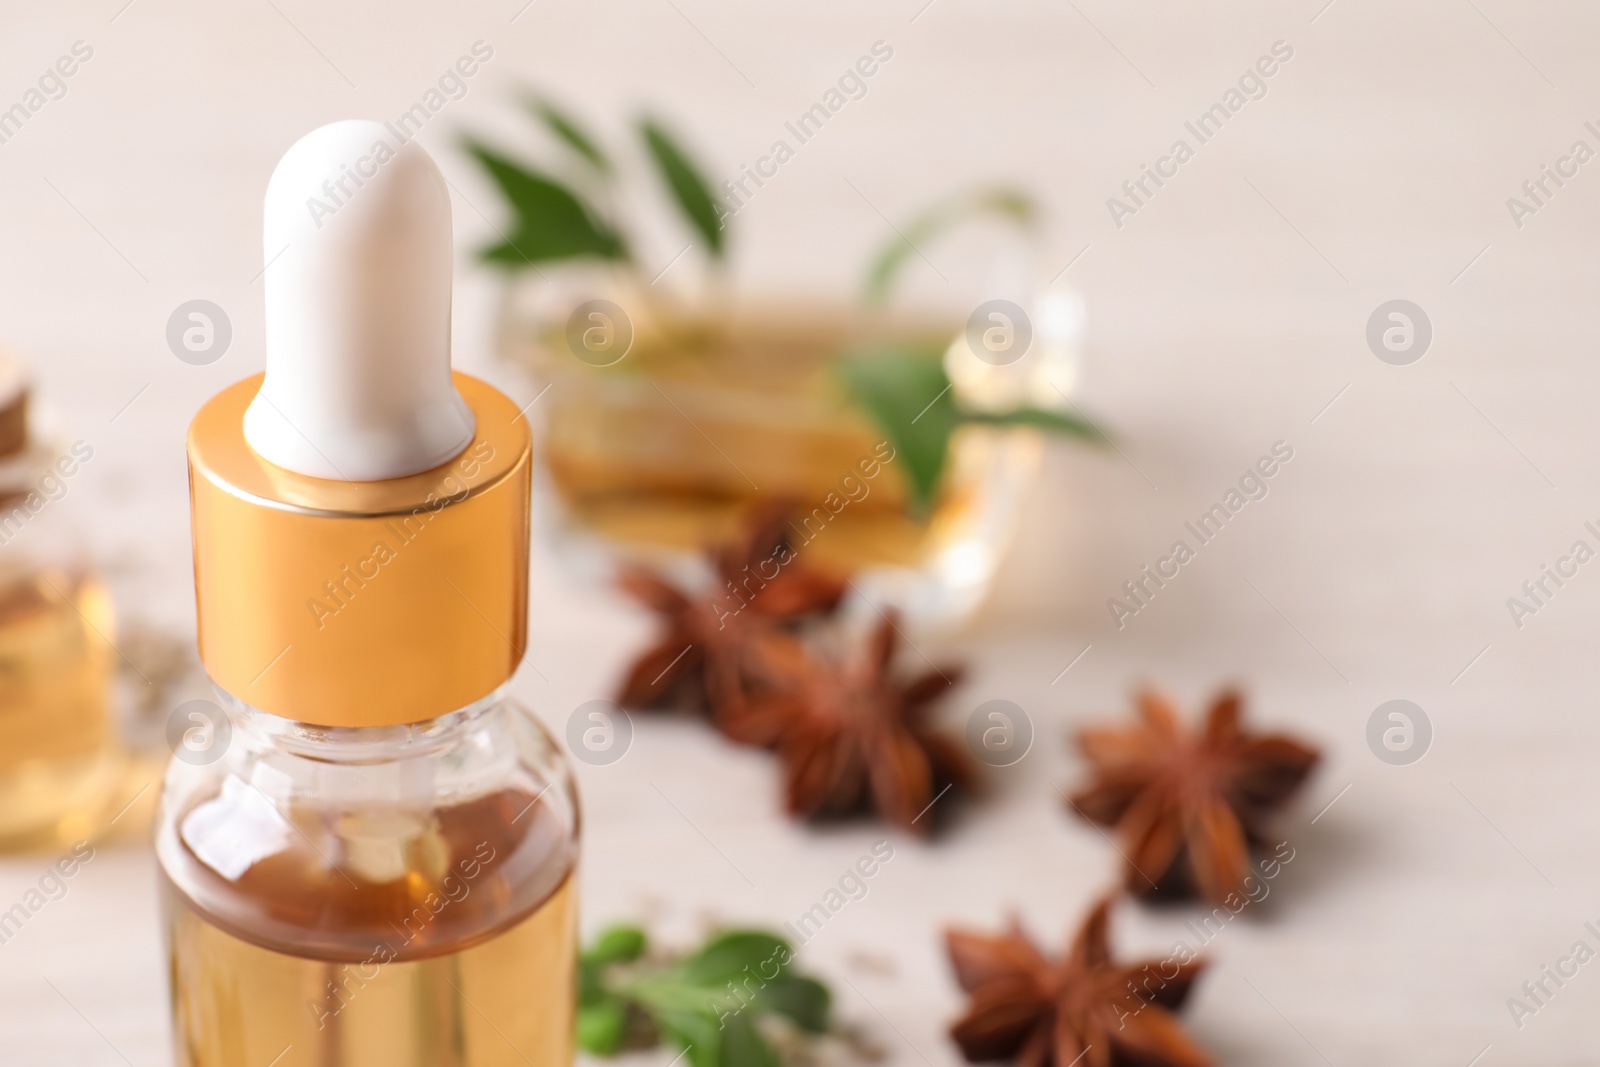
[390,896]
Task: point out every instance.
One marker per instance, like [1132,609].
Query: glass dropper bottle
[373,861]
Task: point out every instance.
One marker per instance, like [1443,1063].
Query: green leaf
[708,1003]
[743,1045]
[728,957]
[804,1001]
[591,983]
[551,223]
[689,189]
[907,393]
[616,944]
[1005,204]
[1044,419]
[698,1031]
[570,133]
[602,1027]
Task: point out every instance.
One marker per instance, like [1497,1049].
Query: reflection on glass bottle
[60,764]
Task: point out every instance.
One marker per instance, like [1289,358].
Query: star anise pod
[1188,805]
[852,738]
[705,653]
[1084,1007]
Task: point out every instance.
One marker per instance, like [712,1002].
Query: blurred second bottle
[60,763]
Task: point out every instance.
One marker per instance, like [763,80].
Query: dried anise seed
[1187,805]
[1081,1008]
[707,651]
[763,573]
[852,738]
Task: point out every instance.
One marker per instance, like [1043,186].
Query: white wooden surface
[1224,316]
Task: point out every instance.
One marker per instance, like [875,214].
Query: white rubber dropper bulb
[358,256]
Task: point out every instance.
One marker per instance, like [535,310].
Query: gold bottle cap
[361,603]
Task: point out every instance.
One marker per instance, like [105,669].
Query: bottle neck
[356,744]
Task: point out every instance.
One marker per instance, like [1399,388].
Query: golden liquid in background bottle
[412,952]
[59,766]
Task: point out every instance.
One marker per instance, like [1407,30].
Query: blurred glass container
[61,766]
[668,431]
[1043,374]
